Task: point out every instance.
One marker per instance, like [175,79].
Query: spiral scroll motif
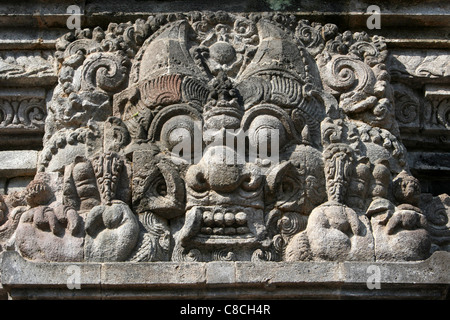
[406,110]
[443,112]
[28,113]
[106,71]
[344,74]
[301,109]
[292,223]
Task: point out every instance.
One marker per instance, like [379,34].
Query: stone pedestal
[427,279]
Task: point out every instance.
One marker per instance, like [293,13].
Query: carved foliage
[26,114]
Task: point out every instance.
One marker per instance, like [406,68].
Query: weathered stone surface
[17,184]
[113,227]
[3,186]
[48,233]
[254,137]
[18,163]
[53,276]
[27,68]
[220,272]
[158,274]
[334,280]
[166,157]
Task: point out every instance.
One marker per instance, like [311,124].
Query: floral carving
[26,114]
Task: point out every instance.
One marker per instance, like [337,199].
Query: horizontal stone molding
[419,64]
[23,279]
[18,163]
[27,67]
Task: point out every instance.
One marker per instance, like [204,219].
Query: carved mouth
[230,225]
[228,222]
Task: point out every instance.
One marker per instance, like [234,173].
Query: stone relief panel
[22,67]
[22,114]
[421,91]
[223,137]
[420,64]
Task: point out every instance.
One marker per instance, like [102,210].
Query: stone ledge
[429,279]
[37,25]
[18,163]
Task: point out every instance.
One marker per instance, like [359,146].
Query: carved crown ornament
[211,136]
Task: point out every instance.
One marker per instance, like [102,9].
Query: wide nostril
[201,178]
[195,179]
[251,182]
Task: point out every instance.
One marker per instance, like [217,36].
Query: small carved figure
[401,231]
[49,231]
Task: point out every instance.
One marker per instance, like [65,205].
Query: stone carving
[407,106]
[430,114]
[224,206]
[334,230]
[437,113]
[400,231]
[437,210]
[217,136]
[420,64]
[423,113]
[9,220]
[111,226]
[48,230]
[26,114]
[80,187]
[22,64]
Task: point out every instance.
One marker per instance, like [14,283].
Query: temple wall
[115,155]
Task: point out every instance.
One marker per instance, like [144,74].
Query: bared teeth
[219,219]
[229,231]
[229,219]
[228,223]
[241,218]
[208,218]
[242,230]
[206,230]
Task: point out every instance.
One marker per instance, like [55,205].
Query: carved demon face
[229,198]
[223,132]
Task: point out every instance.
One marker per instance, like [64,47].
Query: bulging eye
[178,134]
[161,189]
[266,132]
[175,128]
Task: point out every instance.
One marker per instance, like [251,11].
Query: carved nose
[216,171]
[224,178]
